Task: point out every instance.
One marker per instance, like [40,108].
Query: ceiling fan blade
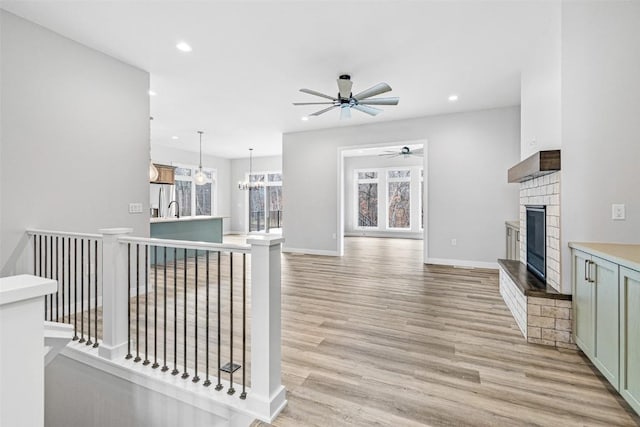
[369,110]
[373,91]
[381,101]
[389,154]
[418,152]
[312,103]
[317,113]
[344,86]
[313,92]
[345,112]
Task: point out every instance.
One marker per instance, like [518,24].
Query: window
[258,213]
[194,199]
[367,198]
[399,198]
[383,197]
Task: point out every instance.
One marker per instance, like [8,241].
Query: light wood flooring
[378,338]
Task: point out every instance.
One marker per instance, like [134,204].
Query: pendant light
[247,185]
[200,178]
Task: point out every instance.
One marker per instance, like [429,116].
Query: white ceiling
[250,58]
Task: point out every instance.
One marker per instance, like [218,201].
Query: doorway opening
[382,191]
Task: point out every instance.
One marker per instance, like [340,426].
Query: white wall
[600,123]
[468,195]
[239,198]
[540,84]
[350,203]
[75,137]
[168,156]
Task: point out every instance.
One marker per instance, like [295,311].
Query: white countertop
[624,254]
[185,218]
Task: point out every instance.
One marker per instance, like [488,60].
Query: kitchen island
[192,228]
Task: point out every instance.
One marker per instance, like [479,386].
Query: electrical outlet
[618,212]
[135,208]
[454,242]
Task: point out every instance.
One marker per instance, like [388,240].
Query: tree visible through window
[203,199]
[183,196]
[367,199]
[194,199]
[399,193]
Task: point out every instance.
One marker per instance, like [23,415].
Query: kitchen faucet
[177,208]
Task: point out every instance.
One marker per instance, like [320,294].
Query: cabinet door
[583,305]
[630,337]
[508,243]
[606,351]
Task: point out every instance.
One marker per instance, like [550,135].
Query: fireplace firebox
[536,241]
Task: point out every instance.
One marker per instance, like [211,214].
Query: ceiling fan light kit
[346,100]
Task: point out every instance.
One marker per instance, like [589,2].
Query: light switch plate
[618,212]
[135,208]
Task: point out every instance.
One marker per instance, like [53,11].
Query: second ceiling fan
[346,100]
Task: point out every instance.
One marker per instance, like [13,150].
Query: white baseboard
[310,251]
[462,263]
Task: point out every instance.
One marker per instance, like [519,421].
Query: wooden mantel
[541,163]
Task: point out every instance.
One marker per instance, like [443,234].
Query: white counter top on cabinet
[627,255]
[186,218]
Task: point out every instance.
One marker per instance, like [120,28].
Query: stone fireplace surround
[542,314]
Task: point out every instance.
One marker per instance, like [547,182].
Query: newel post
[267,393]
[22,350]
[115,293]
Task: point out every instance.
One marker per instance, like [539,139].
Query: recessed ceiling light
[304,119]
[184,47]
[174,137]
[152,93]
[453,98]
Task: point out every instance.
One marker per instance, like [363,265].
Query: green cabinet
[583,297]
[604,275]
[596,300]
[630,337]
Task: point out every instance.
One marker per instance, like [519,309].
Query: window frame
[416,176]
[267,183]
[390,180]
[214,187]
[357,181]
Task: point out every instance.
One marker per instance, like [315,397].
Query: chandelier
[248,185]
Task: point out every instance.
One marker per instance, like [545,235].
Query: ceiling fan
[404,151]
[346,100]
